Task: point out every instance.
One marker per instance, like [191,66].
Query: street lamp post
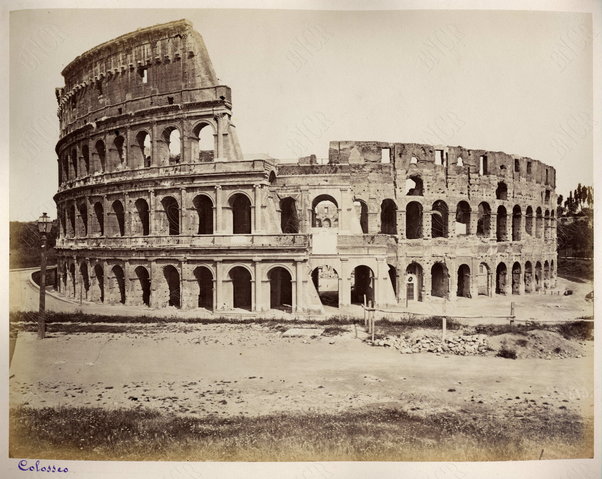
[44,225]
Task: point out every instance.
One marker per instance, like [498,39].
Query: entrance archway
[281,289]
[172,277]
[144,284]
[362,285]
[500,278]
[463,281]
[204,278]
[326,282]
[241,288]
[516,278]
[439,280]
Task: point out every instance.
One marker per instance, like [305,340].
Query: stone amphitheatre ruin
[157,205]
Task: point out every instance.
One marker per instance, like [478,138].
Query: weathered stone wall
[158,208]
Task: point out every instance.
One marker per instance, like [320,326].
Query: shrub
[506,352]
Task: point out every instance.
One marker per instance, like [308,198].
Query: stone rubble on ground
[461,345]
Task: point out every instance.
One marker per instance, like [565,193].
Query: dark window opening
[172,277]
[204,208]
[413,220]
[204,279]
[439,220]
[241,214]
[241,288]
[281,289]
[388,217]
[289,222]
[172,214]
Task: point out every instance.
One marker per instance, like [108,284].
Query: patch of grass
[382,434]
[334,331]
[582,330]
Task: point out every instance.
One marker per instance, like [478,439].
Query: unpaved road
[249,369]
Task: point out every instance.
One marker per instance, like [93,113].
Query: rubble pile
[461,345]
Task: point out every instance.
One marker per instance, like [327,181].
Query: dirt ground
[228,370]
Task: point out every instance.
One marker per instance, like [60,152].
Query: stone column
[373,216]
[218,213]
[474,220]
[127,220]
[155,161]
[451,223]
[493,226]
[257,226]
[129,300]
[222,129]
[401,223]
[218,290]
[105,216]
[427,224]
[344,283]
[184,226]
[452,281]
[426,281]
[299,277]
[255,289]
[509,226]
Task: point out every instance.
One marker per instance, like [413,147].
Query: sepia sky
[519,82]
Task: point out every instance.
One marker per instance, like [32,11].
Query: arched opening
[281,289]
[324,207]
[100,219]
[516,278]
[141,225]
[119,218]
[172,214]
[241,288]
[501,192]
[204,209]
[83,214]
[101,152]
[538,276]
[393,278]
[361,211]
[203,148]
[463,281]
[143,143]
[516,220]
[204,278]
[86,159]
[241,214]
[118,143]
[289,221]
[484,220]
[83,270]
[172,277]
[144,284]
[74,162]
[439,280]
[362,285]
[463,218]
[439,219]
[528,277]
[500,278]
[326,282]
[388,217]
[413,220]
[71,217]
[502,218]
[483,280]
[171,138]
[414,283]
[100,281]
[538,223]
[118,286]
[459,161]
[414,186]
[529,221]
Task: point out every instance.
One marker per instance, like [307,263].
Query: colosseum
[158,206]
